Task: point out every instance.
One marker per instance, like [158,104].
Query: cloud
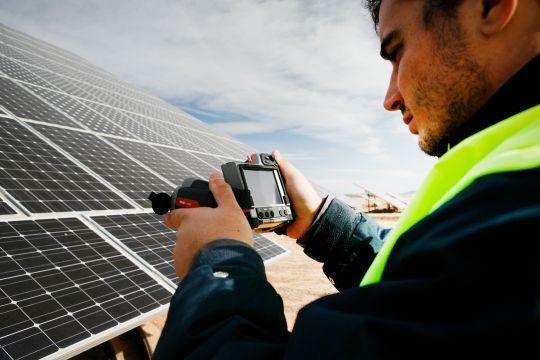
[307,66]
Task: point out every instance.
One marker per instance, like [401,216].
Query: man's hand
[305,200]
[199,226]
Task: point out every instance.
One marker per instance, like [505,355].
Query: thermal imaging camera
[257,185]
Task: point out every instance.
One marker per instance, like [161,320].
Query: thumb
[222,191]
[174,218]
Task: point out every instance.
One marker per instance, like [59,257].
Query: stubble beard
[451,96]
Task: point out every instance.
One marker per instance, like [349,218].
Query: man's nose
[393,100]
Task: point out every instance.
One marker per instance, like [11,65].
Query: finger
[222,191]
[174,218]
[286,167]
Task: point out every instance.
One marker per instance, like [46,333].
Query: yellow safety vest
[510,145]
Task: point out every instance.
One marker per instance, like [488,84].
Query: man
[460,273]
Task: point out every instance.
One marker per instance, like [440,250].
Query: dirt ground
[296,277]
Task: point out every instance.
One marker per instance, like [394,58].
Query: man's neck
[519,93]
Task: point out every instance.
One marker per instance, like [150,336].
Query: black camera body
[270,205]
[257,186]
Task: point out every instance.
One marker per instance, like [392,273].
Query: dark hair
[445,7]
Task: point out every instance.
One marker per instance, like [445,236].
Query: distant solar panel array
[82,257]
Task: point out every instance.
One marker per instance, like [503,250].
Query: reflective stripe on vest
[510,145]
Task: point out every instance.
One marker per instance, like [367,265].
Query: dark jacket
[462,282]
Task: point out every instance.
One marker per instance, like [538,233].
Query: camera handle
[195,193]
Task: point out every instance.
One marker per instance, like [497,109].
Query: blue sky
[300,76]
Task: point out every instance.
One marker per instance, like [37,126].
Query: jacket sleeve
[345,241]
[224,308]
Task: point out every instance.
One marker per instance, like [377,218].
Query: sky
[303,77]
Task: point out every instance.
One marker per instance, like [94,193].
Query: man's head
[449,57]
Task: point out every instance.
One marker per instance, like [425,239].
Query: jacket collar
[519,93]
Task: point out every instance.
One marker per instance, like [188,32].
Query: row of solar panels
[83,78]
[82,258]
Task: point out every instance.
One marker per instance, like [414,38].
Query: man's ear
[494,15]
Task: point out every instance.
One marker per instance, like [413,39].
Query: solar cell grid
[16,71]
[43,180]
[80,112]
[125,123]
[65,84]
[146,235]
[62,283]
[113,166]
[189,160]
[24,104]
[157,161]
[168,133]
[30,44]
[212,160]
[13,53]
[266,247]
[215,144]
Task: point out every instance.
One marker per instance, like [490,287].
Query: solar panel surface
[42,180]
[75,139]
[149,238]
[62,283]
[24,104]
[190,160]
[155,158]
[113,166]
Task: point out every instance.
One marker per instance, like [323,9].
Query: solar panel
[266,247]
[124,122]
[171,169]
[170,134]
[213,160]
[152,241]
[16,71]
[81,257]
[23,104]
[113,166]
[13,53]
[189,160]
[43,180]
[62,283]
[77,110]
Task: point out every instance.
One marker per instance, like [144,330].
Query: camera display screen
[263,187]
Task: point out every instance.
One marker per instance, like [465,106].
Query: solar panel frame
[7,209]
